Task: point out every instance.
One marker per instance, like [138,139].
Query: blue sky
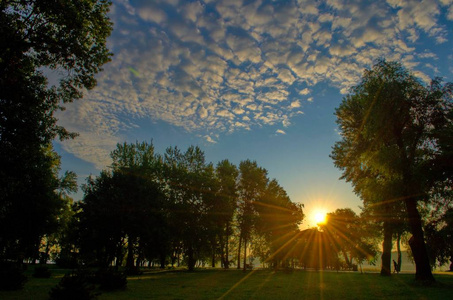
[247,79]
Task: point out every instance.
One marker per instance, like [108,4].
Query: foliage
[177,207]
[225,206]
[11,276]
[36,39]
[390,126]
[73,287]
[439,236]
[278,220]
[350,237]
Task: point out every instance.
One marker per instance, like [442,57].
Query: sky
[246,79]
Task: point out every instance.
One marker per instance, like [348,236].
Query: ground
[257,284]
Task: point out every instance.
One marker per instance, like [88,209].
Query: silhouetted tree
[189,185]
[225,207]
[387,125]
[131,198]
[439,239]
[36,38]
[277,221]
[252,185]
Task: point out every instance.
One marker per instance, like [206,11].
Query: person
[395,266]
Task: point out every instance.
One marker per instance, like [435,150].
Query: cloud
[295,104]
[209,139]
[214,67]
[279,131]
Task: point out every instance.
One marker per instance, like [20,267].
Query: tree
[277,222]
[189,187]
[343,228]
[388,125]
[36,38]
[30,209]
[131,197]
[439,236]
[252,185]
[226,174]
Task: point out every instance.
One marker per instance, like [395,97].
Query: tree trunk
[239,252]
[46,253]
[245,255]
[130,255]
[227,250]
[162,257]
[190,259]
[213,257]
[346,258]
[222,250]
[398,247]
[417,243]
[386,259]
[451,265]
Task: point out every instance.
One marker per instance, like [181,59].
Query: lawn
[260,284]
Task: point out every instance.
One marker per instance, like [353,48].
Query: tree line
[176,206]
[176,209]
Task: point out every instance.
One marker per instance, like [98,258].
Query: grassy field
[260,284]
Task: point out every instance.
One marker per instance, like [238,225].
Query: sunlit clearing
[319,217]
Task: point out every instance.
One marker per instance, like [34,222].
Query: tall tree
[36,38]
[252,186]
[277,221]
[226,174]
[189,186]
[129,196]
[387,125]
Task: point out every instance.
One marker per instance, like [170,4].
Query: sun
[319,217]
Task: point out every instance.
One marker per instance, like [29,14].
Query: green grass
[260,284]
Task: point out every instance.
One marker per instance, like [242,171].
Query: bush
[73,287]
[42,272]
[109,279]
[11,276]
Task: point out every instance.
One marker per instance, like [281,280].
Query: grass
[260,284]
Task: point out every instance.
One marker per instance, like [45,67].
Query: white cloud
[242,64]
[210,139]
[304,92]
[152,14]
[279,131]
[295,104]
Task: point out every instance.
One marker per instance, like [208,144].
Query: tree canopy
[38,38]
[390,124]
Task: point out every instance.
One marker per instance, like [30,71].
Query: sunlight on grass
[259,284]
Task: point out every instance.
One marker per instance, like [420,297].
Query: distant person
[395,266]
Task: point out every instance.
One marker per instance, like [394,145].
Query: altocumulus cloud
[213,67]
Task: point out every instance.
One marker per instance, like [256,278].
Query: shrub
[109,279]
[41,272]
[11,276]
[73,287]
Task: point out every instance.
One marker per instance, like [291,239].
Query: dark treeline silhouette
[178,209]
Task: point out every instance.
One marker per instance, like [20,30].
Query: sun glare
[319,217]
